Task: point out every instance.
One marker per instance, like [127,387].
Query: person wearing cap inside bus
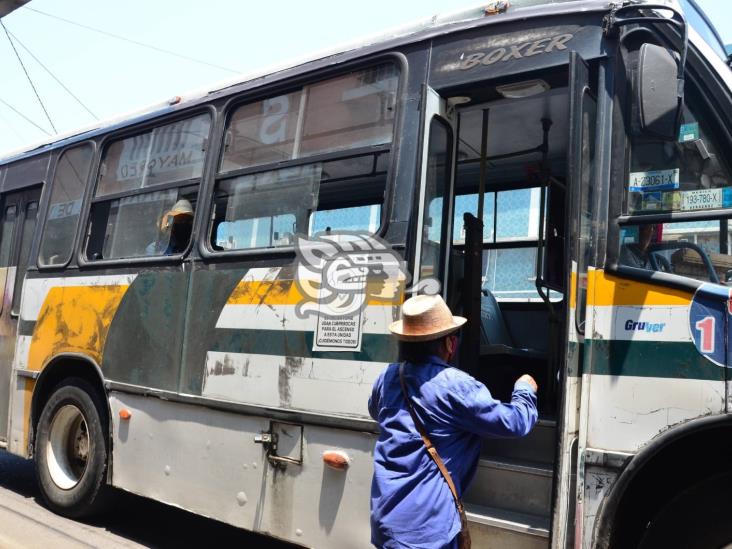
[176,226]
[412,504]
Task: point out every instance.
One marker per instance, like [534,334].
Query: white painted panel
[35,290]
[189,456]
[374,320]
[318,506]
[22,349]
[314,384]
[206,461]
[16,406]
[656,323]
[16,436]
[626,411]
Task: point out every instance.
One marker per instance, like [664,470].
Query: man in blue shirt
[411,503]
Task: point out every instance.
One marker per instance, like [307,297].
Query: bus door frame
[435,108]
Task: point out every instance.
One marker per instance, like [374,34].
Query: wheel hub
[67,452]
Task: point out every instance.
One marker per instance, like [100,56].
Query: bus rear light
[125,414]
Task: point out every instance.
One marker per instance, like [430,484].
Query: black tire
[697,518]
[72,449]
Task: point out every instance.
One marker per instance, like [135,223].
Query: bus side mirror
[660,92]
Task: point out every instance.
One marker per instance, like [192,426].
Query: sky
[111,76]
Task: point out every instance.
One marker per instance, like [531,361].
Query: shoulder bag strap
[431,450]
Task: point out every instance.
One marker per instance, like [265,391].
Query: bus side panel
[642,375]
[207,461]
[246,343]
[647,373]
[58,315]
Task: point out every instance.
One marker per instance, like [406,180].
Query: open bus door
[523,165]
[435,197]
[579,252]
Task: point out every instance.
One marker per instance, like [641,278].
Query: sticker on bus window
[652,201]
[672,200]
[702,199]
[689,132]
[658,180]
[706,199]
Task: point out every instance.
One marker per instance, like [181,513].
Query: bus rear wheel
[72,450]
[697,518]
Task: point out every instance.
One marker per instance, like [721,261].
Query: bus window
[63,214]
[688,175]
[270,202]
[695,249]
[356,218]
[354,110]
[173,152]
[6,238]
[131,217]
[140,225]
[263,210]
[30,218]
[681,177]
[510,220]
[436,188]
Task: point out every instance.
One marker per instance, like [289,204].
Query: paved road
[134,522]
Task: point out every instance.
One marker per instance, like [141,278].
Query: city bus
[176,322]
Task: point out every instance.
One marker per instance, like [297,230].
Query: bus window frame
[45,206]
[703,78]
[93,180]
[250,96]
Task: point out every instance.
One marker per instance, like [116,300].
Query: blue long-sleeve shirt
[411,504]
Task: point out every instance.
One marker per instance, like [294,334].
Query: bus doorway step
[501,529]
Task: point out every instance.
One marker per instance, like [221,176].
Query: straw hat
[182,207]
[425,317]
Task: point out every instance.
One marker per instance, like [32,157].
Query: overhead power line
[79,101]
[142,44]
[24,117]
[20,60]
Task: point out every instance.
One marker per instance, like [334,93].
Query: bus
[196,299]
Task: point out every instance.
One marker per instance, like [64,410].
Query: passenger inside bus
[176,226]
[636,254]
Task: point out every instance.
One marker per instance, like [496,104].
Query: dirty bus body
[519,159]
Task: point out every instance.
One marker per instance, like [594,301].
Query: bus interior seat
[495,339]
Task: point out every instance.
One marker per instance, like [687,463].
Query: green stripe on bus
[652,359]
[374,347]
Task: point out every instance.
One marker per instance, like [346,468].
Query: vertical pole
[470,346]
[483,164]
[724,236]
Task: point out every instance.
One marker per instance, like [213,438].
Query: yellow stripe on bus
[606,290]
[286,292]
[28,388]
[72,319]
